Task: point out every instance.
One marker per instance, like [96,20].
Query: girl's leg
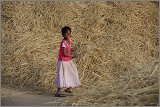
[68,90]
[58,90]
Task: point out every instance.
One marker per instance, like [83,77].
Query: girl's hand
[79,52]
[73,56]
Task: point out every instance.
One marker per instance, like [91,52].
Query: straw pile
[118,41]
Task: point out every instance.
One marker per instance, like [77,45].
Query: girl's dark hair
[65,29]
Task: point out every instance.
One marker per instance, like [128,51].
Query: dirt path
[10,97]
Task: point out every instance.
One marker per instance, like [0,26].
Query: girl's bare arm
[66,54]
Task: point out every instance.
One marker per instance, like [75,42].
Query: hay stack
[118,42]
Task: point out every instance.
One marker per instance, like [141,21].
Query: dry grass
[118,42]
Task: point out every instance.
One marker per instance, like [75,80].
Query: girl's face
[68,34]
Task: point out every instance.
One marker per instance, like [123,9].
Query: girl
[67,74]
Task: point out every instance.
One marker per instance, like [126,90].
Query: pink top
[61,57]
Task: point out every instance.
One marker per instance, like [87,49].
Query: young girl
[67,74]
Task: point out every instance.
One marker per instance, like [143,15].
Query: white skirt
[67,75]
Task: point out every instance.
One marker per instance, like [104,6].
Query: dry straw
[118,41]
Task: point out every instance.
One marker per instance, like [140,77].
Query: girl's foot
[67,90]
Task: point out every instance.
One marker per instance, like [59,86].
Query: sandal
[59,95]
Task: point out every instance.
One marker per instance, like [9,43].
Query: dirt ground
[15,97]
